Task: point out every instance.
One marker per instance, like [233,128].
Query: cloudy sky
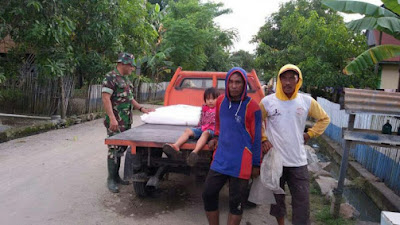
[248,16]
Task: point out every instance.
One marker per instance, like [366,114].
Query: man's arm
[323,120]
[106,98]
[142,109]
[266,145]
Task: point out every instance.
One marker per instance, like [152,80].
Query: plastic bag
[271,171]
[259,194]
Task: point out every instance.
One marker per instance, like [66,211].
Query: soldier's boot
[117,177]
[112,174]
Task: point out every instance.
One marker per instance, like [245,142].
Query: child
[203,132]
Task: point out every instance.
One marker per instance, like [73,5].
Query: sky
[249,15]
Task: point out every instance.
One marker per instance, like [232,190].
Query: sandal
[192,159]
[171,151]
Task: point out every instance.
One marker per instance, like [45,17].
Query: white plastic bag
[259,194]
[271,171]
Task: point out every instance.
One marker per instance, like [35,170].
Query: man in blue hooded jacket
[238,153]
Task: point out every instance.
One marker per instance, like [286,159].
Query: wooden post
[342,175]
[62,100]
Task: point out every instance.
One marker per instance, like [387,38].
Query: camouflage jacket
[121,90]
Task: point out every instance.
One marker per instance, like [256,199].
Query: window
[221,85]
[196,83]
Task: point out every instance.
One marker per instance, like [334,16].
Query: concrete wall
[390,77]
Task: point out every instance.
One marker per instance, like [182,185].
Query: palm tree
[385,19]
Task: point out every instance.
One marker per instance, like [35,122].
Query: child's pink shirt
[207,118]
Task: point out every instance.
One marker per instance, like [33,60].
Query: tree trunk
[138,69]
[62,99]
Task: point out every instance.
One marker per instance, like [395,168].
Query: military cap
[126,58]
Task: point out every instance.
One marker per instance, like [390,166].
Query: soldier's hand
[146,110]
[266,146]
[113,125]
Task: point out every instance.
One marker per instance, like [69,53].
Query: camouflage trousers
[115,151]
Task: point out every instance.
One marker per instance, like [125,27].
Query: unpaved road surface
[59,177]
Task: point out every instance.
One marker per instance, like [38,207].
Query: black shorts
[237,192]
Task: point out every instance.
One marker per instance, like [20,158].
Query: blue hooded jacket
[238,127]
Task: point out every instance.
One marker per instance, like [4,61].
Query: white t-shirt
[285,126]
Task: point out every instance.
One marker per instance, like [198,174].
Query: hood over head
[279,89]
[244,76]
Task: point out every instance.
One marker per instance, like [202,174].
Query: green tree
[243,59]
[385,19]
[192,35]
[74,38]
[305,34]
[155,64]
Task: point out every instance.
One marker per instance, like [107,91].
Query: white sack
[174,115]
[259,194]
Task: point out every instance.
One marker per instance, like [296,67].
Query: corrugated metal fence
[152,91]
[93,101]
[382,162]
[148,92]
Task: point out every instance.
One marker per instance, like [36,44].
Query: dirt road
[58,177]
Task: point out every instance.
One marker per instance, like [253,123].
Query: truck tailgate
[151,135]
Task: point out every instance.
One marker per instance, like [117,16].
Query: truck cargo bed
[151,135]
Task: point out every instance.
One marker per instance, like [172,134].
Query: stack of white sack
[174,115]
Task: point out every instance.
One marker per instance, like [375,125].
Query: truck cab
[187,87]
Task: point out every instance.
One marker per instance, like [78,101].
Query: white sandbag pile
[174,115]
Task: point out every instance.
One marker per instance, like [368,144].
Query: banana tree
[385,19]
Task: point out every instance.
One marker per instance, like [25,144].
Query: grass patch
[323,216]
[320,209]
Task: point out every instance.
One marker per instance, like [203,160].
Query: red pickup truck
[145,164]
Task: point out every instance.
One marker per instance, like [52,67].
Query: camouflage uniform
[121,90]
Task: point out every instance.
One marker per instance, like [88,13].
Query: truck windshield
[221,85]
[196,83]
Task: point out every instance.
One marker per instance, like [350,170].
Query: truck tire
[140,188]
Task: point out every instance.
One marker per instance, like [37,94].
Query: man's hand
[255,172]
[306,137]
[146,110]
[113,124]
[212,144]
[266,146]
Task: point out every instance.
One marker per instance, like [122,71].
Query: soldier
[117,97]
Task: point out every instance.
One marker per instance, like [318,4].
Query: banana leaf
[362,8]
[393,5]
[389,25]
[371,57]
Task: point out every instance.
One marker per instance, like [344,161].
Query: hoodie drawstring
[238,118]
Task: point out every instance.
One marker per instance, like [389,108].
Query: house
[390,68]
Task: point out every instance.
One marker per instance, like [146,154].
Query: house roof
[386,40]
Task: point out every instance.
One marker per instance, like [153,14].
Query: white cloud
[248,16]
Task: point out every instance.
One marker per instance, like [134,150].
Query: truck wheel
[140,188]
